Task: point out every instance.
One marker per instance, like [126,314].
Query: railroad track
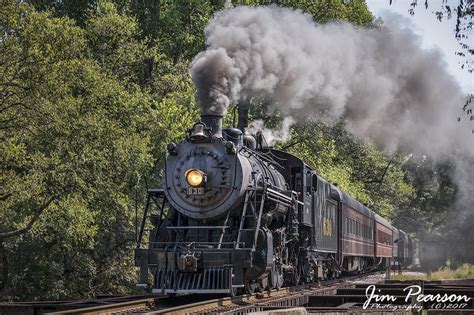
[134,306]
[283,298]
[58,306]
[199,304]
[341,295]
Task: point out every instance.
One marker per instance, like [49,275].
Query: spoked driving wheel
[232,291]
[262,284]
[250,287]
[276,277]
[292,277]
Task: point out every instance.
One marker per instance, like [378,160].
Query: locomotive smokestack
[243,121]
[213,122]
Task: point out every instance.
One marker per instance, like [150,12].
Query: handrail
[197,227]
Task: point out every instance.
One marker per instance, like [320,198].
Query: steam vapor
[379,80]
[272,135]
[388,90]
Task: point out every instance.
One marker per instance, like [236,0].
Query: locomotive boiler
[234,216]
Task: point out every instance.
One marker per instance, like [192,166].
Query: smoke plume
[386,88]
[272,135]
[379,80]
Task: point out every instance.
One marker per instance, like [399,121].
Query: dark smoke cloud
[387,89]
[380,81]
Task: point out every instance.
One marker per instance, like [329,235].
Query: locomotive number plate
[195,191]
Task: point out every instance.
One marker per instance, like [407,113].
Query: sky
[434,34]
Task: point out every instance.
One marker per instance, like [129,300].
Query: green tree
[181,27]
[83,131]
[70,150]
[358,168]
[114,40]
[324,11]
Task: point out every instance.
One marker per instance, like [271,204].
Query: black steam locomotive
[236,216]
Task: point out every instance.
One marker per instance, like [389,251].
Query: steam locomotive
[235,216]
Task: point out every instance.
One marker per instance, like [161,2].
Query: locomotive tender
[234,215]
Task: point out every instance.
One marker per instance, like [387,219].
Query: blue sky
[434,34]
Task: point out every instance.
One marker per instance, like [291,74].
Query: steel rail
[289,296]
[165,304]
[129,306]
[222,302]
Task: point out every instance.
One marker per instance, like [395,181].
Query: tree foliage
[78,133]
[463,12]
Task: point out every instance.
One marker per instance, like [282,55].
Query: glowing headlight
[195,177]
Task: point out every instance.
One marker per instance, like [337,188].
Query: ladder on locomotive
[251,201]
[259,196]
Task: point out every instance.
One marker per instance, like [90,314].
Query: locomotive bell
[198,131]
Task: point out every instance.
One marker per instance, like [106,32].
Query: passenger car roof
[381,220]
[351,202]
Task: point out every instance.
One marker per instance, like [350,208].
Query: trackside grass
[444,273]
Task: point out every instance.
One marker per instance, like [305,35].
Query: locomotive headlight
[195,177]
